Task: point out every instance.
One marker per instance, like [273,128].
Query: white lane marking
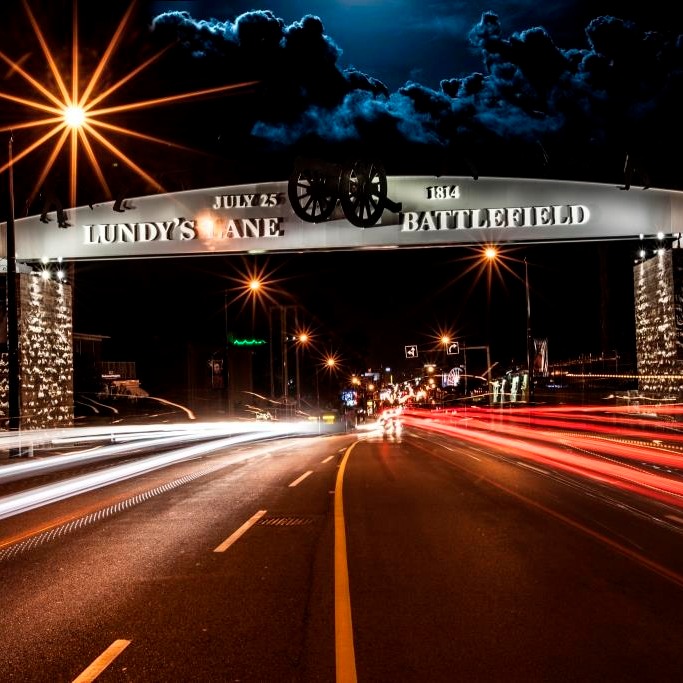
[469,455]
[531,467]
[675,518]
[301,478]
[328,458]
[102,662]
[242,530]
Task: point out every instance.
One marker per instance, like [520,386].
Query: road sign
[453,349]
[411,351]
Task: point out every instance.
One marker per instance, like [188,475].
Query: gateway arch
[423,212]
[362,209]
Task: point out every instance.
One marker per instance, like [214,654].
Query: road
[413,556]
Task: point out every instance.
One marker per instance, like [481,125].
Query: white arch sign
[433,211]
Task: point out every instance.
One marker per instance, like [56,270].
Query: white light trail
[49,493]
[122,440]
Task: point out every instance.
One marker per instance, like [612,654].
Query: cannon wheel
[313,190]
[363,193]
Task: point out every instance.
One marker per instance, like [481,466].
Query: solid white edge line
[242,530]
[102,662]
[301,478]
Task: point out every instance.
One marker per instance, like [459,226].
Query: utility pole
[226,358]
[285,318]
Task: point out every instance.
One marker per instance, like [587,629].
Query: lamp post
[226,356]
[251,287]
[279,316]
[529,338]
[445,341]
[329,364]
[13,368]
[73,120]
[301,340]
[490,254]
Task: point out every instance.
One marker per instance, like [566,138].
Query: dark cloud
[533,108]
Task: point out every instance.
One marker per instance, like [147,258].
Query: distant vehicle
[390,421]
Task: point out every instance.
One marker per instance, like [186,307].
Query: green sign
[247,342]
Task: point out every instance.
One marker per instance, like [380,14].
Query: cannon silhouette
[360,186]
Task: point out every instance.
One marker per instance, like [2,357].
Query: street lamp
[73,119]
[251,286]
[445,341]
[491,255]
[301,339]
[330,364]
[529,338]
[13,368]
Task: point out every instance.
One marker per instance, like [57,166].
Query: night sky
[565,90]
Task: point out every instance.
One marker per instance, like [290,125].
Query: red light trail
[593,454]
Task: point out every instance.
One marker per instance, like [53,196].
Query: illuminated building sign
[419,211]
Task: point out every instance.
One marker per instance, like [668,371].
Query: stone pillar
[45,354]
[658,294]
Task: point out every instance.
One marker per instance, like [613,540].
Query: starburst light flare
[64,113]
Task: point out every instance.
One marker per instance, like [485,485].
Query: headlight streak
[17,545]
[66,436]
[551,449]
[49,493]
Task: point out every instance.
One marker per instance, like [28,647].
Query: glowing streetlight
[79,108]
[490,253]
[74,116]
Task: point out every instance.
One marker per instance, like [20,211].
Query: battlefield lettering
[511,217]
